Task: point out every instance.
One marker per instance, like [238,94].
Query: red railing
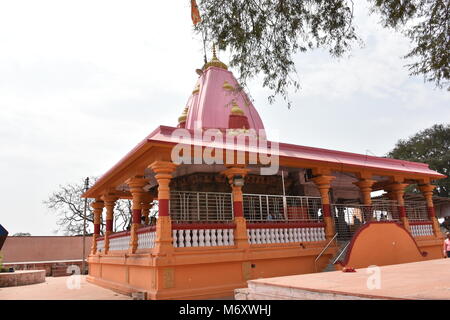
[186,226]
[282,224]
[414,223]
[119,234]
[146,229]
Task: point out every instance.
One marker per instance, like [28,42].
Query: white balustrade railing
[202,237]
[263,235]
[419,230]
[100,245]
[119,243]
[146,239]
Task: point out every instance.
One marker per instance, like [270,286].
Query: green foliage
[426,23]
[431,146]
[263,35]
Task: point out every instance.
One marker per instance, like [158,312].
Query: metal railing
[416,210]
[348,218]
[341,252]
[200,206]
[323,250]
[270,208]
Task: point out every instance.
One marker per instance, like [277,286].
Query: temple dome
[215,97]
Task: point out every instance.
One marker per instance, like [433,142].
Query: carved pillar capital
[365,185]
[232,172]
[163,173]
[146,206]
[240,235]
[396,192]
[98,206]
[136,185]
[427,191]
[110,202]
[323,183]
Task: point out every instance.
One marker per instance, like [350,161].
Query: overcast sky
[82,82]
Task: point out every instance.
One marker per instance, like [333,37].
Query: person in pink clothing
[447,246]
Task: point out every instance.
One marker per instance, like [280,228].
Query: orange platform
[416,280]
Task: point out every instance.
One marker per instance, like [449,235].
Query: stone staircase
[339,256]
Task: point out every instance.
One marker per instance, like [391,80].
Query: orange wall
[386,243]
[44,248]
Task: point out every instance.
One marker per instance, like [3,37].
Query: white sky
[82,82]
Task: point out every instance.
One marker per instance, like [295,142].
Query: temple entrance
[348,218]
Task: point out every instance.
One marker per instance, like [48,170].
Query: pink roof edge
[163,134]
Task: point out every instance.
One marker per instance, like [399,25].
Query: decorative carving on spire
[196,89]
[237,118]
[235,109]
[227,86]
[182,118]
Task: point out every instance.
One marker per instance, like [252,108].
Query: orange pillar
[110,202]
[323,183]
[240,234]
[427,191]
[136,185]
[365,186]
[396,191]
[146,206]
[97,205]
[163,170]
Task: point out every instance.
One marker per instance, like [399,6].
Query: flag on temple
[195,14]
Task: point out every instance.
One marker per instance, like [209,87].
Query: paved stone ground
[59,289]
[417,280]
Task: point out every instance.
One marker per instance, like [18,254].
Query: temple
[233,206]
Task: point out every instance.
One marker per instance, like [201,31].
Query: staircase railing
[323,250]
[341,253]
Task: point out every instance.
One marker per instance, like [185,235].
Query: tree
[426,24]
[68,205]
[431,146]
[263,35]
[22,234]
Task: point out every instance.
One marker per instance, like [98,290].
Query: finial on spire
[215,62]
[183,117]
[214,51]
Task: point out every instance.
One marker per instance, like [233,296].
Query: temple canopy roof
[217,96]
[303,155]
[217,102]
